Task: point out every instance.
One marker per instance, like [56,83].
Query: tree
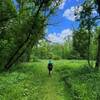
[7,12]
[24,30]
[88,22]
[97,65]
[80,42]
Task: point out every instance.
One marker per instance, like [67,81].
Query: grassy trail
[30,81]
[69,81]
[52,87]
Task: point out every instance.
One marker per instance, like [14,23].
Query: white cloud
[94,12]
[60,37]
[70,13]
[65,33]
[62,4]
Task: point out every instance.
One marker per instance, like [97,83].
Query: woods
[34,32]
[24,29]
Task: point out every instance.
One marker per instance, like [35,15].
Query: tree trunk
[22,52]
[89,43]
[97,65]
[13,57]
[8,64]
[30,42]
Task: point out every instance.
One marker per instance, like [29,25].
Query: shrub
[55,57]
[33,59]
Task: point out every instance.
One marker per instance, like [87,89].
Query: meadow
[35,32]
[70,80]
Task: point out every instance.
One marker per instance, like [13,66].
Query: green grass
[70,80]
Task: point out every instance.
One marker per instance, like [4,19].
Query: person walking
[50,66]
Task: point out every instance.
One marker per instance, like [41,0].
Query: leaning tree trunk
[9,63]
[22,52]
[89,43]
[97,65]
[13,57]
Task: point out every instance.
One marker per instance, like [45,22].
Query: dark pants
[50,67]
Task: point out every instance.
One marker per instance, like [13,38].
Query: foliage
[88,23]
[22,27]
[33,59]
[46,50]
[80,42]
[31,81]
[81,81]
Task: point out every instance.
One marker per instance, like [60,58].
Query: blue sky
[64,21]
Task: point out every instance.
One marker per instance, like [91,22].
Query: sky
[64,21]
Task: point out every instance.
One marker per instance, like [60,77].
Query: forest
[26,49]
